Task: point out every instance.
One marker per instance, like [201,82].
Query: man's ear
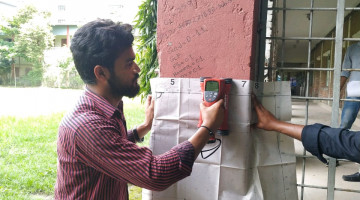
[101,73]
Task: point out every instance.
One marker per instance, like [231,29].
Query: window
[63,42]
[61,8]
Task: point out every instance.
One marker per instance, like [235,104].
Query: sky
[90,9]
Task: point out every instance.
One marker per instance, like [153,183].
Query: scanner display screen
[212,86]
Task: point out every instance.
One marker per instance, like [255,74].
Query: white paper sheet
[250,164]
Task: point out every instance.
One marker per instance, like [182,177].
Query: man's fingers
[257,105]
[255,101]
[220,103]
[152,101]
[202,106]
[149,101]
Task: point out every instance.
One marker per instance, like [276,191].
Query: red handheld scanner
[212,90]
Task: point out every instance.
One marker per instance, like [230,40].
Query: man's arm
[346,65]
[212,118]
[343,80]
[106,150]
[268,122]
[145,127]
[318,139]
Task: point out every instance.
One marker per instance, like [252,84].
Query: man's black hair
[99,42]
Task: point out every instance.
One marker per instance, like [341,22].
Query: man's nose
[137,68]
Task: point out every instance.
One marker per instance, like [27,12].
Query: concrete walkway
[316,172]
[25,102]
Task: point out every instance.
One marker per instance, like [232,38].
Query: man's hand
[149,111]
[145,127]
[266,120]
[213,116]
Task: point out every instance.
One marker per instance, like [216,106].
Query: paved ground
[316,172]
[25,102]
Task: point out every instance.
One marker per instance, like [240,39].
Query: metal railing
[336,69]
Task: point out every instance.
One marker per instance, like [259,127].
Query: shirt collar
[108,109]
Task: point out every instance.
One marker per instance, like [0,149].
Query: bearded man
[97,155]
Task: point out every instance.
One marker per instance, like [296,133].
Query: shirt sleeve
[102,147]
[340,143]
[131,136]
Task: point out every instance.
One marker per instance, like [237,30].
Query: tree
[5,60]
[146,20]
[31,35]
[61,71]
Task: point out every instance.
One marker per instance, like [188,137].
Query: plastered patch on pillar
[250,164]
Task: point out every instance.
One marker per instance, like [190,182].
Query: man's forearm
[343,80]
[199,140]
[292,130]
[143,129]
[267,121]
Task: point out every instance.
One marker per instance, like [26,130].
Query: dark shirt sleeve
[319,139]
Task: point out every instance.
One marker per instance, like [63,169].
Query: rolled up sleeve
[310,140]
[340,143]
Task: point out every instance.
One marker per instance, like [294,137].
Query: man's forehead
[127,55]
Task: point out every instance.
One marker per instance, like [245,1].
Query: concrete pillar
[216,38]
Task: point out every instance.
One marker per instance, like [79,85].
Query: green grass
[28,154]
[135,115]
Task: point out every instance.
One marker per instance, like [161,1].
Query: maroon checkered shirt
[97,157]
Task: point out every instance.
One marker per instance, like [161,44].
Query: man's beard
[119,89]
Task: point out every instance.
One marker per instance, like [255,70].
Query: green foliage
[31,35]
[33,78]
[14,24]
[34,38]
[61,72]
[147,52]
[135,192]
[5,60]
